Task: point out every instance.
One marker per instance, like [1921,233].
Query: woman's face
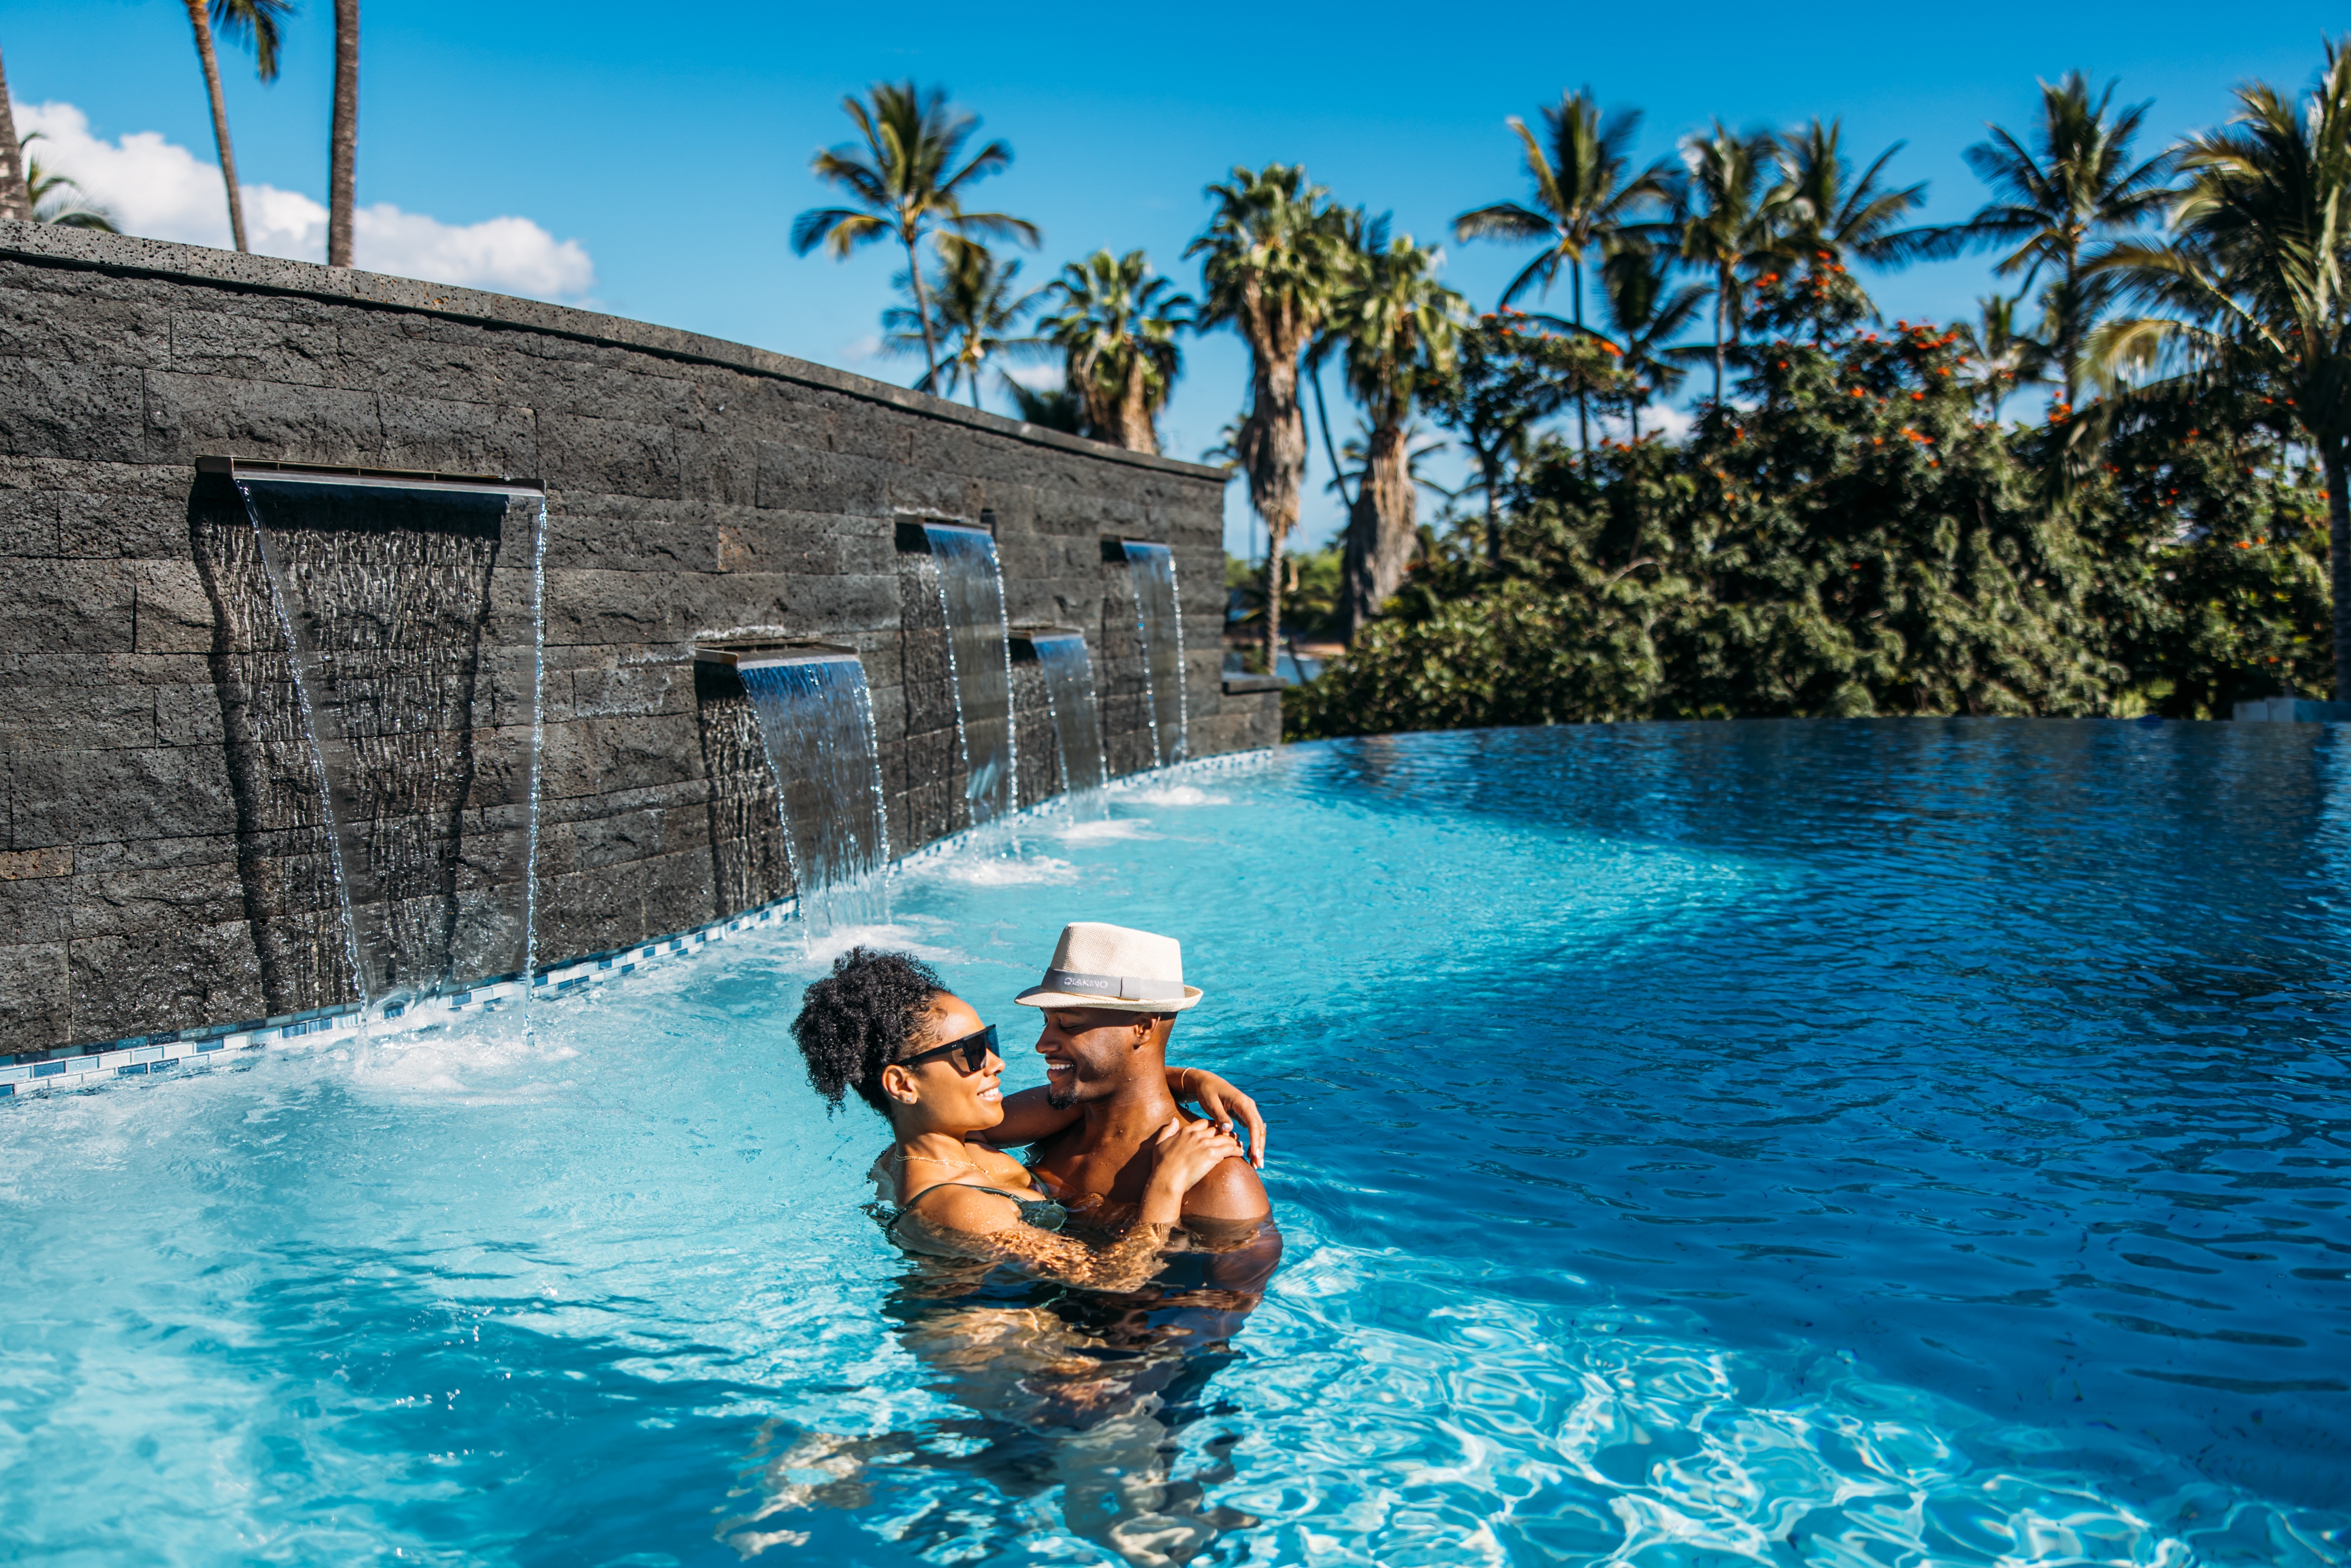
[947,1096]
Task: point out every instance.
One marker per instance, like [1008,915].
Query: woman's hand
[1181,1153]
[1225,1106]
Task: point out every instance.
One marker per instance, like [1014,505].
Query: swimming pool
[1830,1142]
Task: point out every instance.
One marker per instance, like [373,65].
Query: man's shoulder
[1231,1191]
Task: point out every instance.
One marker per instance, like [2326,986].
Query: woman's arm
[1223,1104]
[1029,1116]
[969,1223]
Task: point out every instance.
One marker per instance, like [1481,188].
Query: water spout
[408,669]
[979,664]
[816,721]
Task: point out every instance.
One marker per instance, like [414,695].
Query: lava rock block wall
[164,865]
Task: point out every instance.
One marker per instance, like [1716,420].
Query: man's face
[1089,1052]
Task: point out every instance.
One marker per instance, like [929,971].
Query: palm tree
[343,137]
[1583,197]
[1646,310]
[239,21]
[1510,374]
[1271,254]
[2253,281]
[2004,358]
[902,187]
[16,202]
[1115,323]
[975,305]
[2075,185]
[1054,409]
[1401,326]
[55,198]
[1830,219]
[1730,224]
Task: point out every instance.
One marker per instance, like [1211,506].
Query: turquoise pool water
[1868,1144]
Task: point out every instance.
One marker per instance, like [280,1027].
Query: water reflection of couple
[1075,1304]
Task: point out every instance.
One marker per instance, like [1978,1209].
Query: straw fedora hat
[1098,965]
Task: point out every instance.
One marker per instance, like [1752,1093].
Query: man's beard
[1059,1099]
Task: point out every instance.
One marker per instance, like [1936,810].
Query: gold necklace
[934,1160]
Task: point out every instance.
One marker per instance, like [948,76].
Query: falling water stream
[1069,674]
[979,661]
[408,663]
[1159,622]
[816,721]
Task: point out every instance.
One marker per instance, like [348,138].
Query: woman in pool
[882,1025]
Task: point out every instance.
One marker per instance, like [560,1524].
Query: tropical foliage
[1400,326]
[1858,542]
[906,179]
[1115,322]
[1843,522]
[974,310]
[1272,255]
[56,199]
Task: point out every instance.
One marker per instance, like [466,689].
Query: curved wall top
[164,867]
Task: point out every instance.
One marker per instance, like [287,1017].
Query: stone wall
[164,867]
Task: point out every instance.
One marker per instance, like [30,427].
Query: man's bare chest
[1111,1173]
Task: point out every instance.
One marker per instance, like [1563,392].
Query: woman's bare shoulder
[965,1207]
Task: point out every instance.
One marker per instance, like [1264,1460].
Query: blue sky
[673,145]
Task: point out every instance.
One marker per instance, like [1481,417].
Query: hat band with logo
[1126,987]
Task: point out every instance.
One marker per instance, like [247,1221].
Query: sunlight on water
[1754,1144]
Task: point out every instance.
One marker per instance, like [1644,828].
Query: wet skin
[1110,1065]
[948,1118]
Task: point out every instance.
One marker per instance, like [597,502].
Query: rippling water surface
[1869,1144]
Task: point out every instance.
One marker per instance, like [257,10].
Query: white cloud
[160,190]
[1036,378]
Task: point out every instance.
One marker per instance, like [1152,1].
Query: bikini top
[1042,1212]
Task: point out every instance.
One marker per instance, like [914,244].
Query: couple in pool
[1157,1218]
[1118,1176]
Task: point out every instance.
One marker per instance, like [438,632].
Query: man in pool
[1110,1000]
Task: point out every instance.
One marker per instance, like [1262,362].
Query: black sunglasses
[976,1049]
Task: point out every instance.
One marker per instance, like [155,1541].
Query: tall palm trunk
[1379,528]
[1273,454]
[2339,556]
[1721,287]
[343,144]
[16,200]
[210,62]
[1489,469]
[921,305]
[1135,428]
[1583,412]
[2069,341]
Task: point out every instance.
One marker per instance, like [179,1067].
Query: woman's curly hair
[858,1019]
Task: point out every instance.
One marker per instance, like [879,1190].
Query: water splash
[1159,623]
[979,664]
[816,721]
[1069,673]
